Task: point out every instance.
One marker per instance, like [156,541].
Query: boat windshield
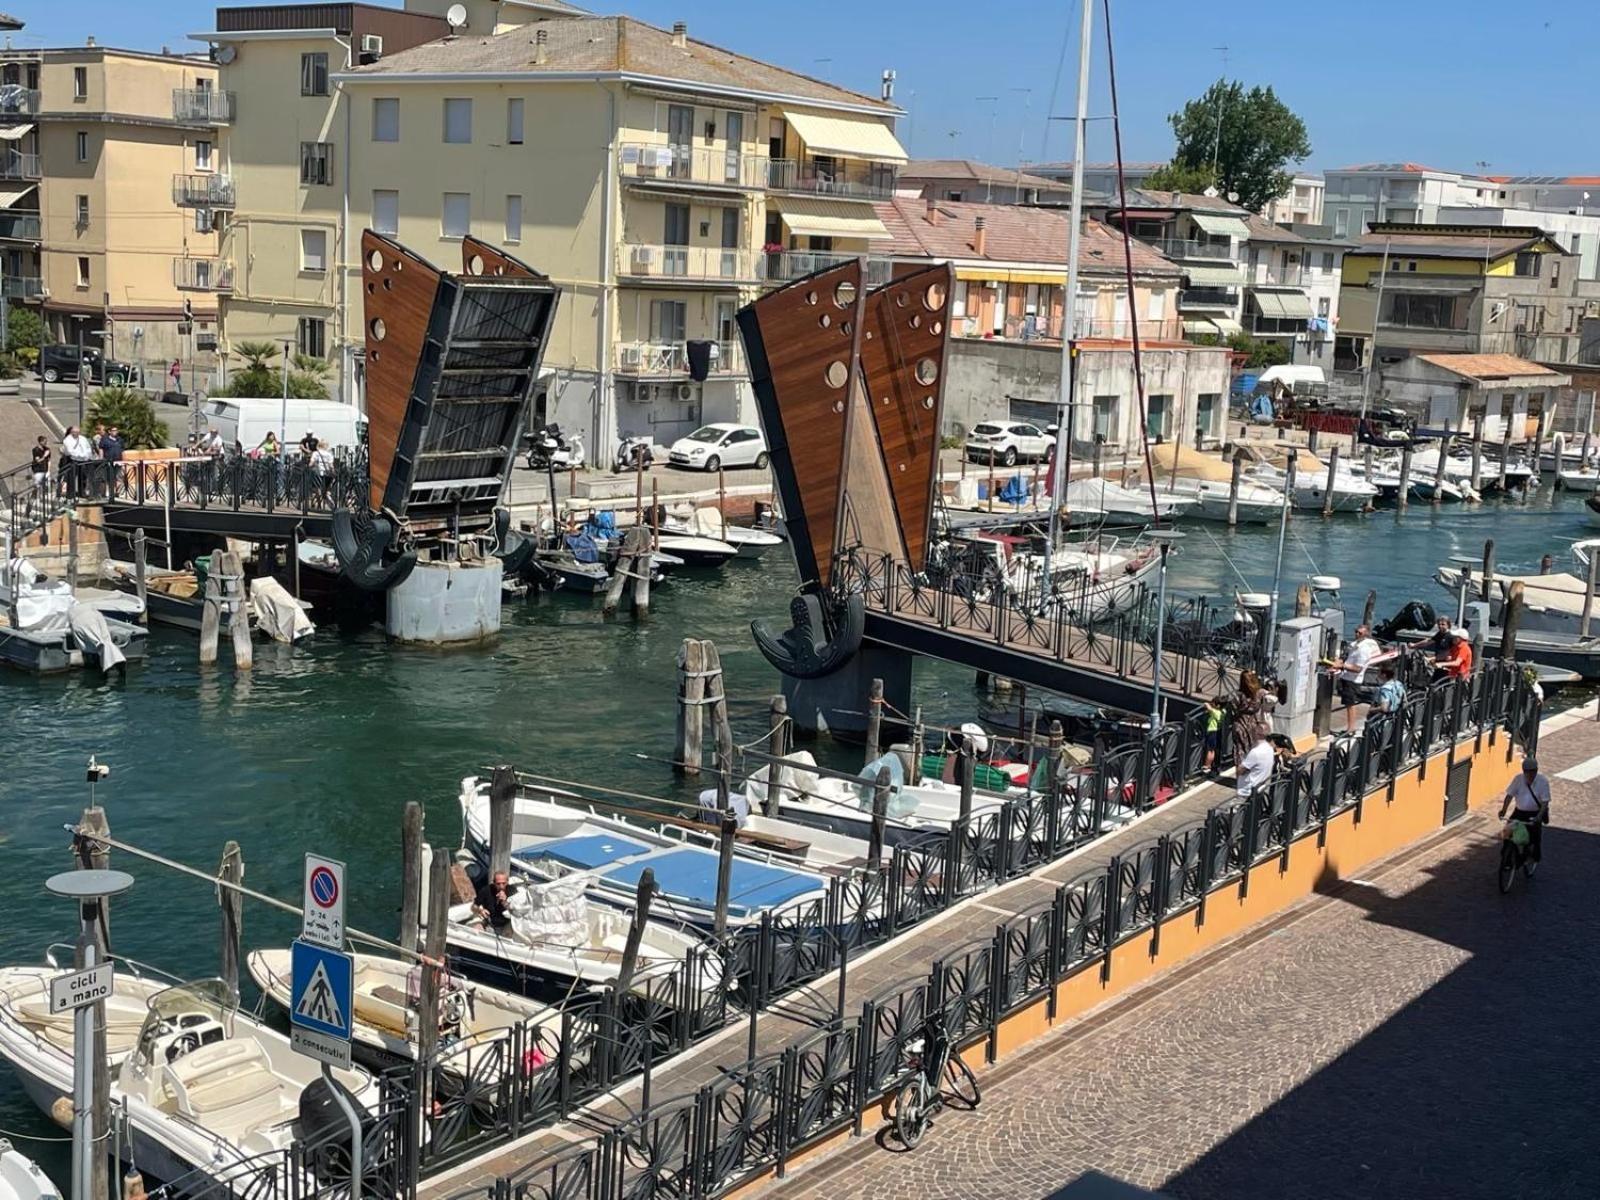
[203,1009]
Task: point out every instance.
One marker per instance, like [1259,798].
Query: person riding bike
[1529,799]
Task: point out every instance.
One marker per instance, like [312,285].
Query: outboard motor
[325,1130]
[1413,615]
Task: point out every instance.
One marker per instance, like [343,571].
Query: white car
[722,444]
[1006,442]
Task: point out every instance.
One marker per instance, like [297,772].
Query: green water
[320,746]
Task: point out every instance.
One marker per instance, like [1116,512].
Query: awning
[1221,225]
[11,133]
[865,138]
[1227,325]
[1200,327]
[10,195]
[983,274]
[1285,306]
[831,218]
[1228,276]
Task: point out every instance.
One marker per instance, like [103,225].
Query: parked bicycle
[940,1079]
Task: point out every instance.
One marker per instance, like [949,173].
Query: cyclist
[1529,798]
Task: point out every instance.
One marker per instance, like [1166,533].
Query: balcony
[202,106]
[685,264]
[22,287]
[18,101]
[16,164]
[203,190]
[1188,248]
[670,360]
[1208,298]
[656,165]
[1039,329]
[785,266]
[19,227]
[837,179]
[1276,275]
[202,275]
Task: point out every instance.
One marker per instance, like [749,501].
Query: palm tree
[256,355]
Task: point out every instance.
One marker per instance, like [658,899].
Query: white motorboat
[1351,493]
[203,1086]
[1123,504]
[21,1178]
[49,625]
[709,523]
[387,993]
[696,550]
[1206,483]
[1583,479]
[1385,476]
[1551,603]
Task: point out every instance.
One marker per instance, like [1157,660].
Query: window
[1327,260]
[1105,418]
[385,211]
[312,337]
[455,215]
[1555,273]
[1323,305]
[82,212]
[675,226]
[83,146]
[669,320]
[83,272]
[210,220]
[202,155]
[314,250]
[1528,264]
[314,74]
[958,299]
[1577,243]
[1157,310]
[730,229]
[385,119]
[1208,405]
[1366,219]
[1158,416]
[1341,222]
[1423,311]
[954,197]
[202,273]
[458,121]
[514,121]
[316,162]
[513,218]
[80,83]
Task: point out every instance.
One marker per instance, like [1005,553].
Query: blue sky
[1451,83]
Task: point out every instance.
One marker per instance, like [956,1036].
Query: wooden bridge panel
[480,258]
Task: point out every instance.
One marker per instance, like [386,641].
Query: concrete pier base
[441,603]
[837,703]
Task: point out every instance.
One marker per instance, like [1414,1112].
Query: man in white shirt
[1351,671]
[1255,768]
[77,452]
[1529,796]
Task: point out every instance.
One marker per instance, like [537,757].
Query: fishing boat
[49,626]
[1206,483]
[177,598]
[203,1086]
[1584,479]
[1123,504]
[21,1178]
[696,550]
[387,992]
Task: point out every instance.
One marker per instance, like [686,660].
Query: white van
[248,421]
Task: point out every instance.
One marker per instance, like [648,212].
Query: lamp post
[88,889]
[1166,539]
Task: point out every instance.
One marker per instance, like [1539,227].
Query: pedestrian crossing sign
[321,983]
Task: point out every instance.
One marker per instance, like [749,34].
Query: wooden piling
[139,562]
[1538,447]
[1588,592]
[1233,489]
[1477,451]
[1558,448]
[636,926]
[968,768]
[1052,766]
[1302,601]
[1505,451]
[432,970]
[874,719]
[1369,609]
[691,706]
[239,623]
[411,822]
[72,551]
[1366,462]
[716,698]
[1511,622]
[1094,460]
[232,904]
[1438,470]
[918,733]
[1328,482]
[618,580]
[1403,497]
[725,839]
[778,725]
[94,854]
[502,810]
[643,564]
[880,814]
[1488,569]
[1312,439]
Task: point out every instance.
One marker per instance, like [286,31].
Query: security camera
[97,770]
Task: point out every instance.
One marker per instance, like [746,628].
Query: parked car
[1006,442]
[720,444]
[61,362]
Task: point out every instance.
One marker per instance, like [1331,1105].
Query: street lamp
[1165,539]
[88,889]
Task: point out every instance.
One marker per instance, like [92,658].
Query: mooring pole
[1510,622]
[691,706]
[1477,451]
[874,719]
[880,814]
[502,811]
[1487,582]
[1370,608]
[139,558]
[1588,592]
[641,917]
[232,904]
[1332,475]
[1233,487]
[724,872]
[1403,496]
[411,822]
[432,968]
[1438,470]
[969,768]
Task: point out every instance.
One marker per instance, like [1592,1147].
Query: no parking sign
[322,910]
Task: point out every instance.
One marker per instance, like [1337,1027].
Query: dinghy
[47,626]
[21,1178]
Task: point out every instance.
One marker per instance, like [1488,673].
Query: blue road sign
[320,989]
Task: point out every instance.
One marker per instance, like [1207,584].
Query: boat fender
[362,539]
[825,633]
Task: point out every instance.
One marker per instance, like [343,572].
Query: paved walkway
[1411,1035]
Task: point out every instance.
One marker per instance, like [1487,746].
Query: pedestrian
[99,436]
[111,447]
[1251,718]
[1352,673]
[308,445]
[1255,769]
[77,452]
[175,373]
[493,905]
[269,447]
[321,458]
[1391,692]
[1457,663]
[1216,709]
[1439,643]
[213,443]
[41,462]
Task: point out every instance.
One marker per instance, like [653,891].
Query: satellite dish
[1212,192]
[1233,197]
[226,54]
[456,16]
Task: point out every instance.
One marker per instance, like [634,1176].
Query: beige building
[93,230]
[660,180]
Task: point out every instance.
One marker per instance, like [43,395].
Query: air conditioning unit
[685,392]
[644,258]
[372,43]
[633,355]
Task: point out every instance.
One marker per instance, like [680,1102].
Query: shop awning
[864,138]
[1221,225]
[831,218]
[10,195]
[983,273]
[1224,277]
[1227,325]
[1285,306]
[1195,326]
[11,133]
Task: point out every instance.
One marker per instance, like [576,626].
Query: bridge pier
[837,703]
[445,602]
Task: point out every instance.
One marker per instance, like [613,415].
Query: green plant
[132,413]
[11,365]
[1176,178]
[24,328]
[1259,354]
[261,379]
[1258,137]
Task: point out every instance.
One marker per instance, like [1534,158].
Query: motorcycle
[633,453]
[549,448]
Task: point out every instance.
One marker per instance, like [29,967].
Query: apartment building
[1578,232]
[1205,236]
[660,180]
[962,180]
[1292,288]
[1301,202]
[91,232]
[1407,193]
[1471,289]
[1007,316]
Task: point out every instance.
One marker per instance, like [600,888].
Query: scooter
[633,453]
[549,448]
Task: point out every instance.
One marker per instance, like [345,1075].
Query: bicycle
[1515,841]
[921,1096]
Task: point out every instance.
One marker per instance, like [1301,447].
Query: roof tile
[1486,366]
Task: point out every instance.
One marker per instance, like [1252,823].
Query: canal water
[320,746]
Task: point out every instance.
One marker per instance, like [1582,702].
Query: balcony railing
[1186,248]
[782,266]
[202,274]
[1038,329]
[671,359]
[204,105]
[19,227]
[691,165]
[797,175]
[1276,275]
[15,164]
[687,263]
[21,287]
[203,190]
[1208,298]
[17,101]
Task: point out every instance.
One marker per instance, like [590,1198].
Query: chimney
[980,237]
[541,53]
[680,34]
[933,211]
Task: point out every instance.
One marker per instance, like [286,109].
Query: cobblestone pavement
[1413,1035]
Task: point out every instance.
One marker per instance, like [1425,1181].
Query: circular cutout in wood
[371,288]
[900,299]
[375,260]
[837,374]
[372,355]
[933,298]
[847,327]
[927,372]
[475,265]
[916,320]
[845,294]
[937,327]
[377,329]
[927,402]
[811,297]
[838,406]
[824,320]
[388,285]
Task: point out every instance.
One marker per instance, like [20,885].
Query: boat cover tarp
[690,875]
[551,914]
[43,605]
[1015,491]
[900,805]
[583,548]
[278,614]
[93,636]
[581,852]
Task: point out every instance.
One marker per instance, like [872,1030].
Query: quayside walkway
[1368,1042]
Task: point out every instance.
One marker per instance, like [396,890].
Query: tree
[261,379]
[24,328]
[1259,353]
[132,413]
[1259,137]
[1176,178]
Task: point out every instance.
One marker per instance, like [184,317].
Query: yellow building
[92,228]
[658,179]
